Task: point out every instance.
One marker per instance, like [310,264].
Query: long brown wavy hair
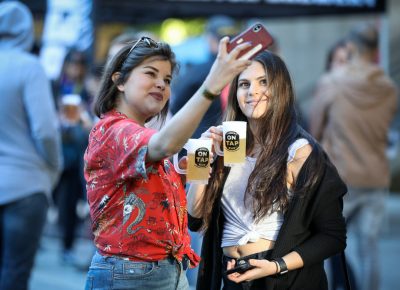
[275,131]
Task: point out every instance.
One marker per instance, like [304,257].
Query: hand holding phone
[259,38]
[240,267]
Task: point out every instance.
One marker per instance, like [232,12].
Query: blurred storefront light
[173,31]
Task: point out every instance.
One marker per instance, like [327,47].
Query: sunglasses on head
[146,40]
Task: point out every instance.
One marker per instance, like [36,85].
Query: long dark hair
[124,62]
[275,131]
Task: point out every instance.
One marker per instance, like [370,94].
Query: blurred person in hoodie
[30,147]
[351,115]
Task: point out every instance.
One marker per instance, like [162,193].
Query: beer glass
[234,142]
[198,166]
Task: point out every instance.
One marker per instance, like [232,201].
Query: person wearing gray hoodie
[351,115]
[30,147]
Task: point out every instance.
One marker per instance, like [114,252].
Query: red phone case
[257,35]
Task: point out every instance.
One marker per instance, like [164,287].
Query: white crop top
[240,227]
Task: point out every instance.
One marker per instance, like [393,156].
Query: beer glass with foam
[198,166]
[234,142]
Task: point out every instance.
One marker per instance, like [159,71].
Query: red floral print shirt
[138,208]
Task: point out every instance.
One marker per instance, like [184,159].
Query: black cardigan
[313,226]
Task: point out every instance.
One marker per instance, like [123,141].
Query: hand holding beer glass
[198,165]
[234,142]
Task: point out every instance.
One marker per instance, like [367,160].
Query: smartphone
[259,38]
[240,267]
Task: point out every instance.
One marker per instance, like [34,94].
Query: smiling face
[147,90]
[263,96]
[252,93]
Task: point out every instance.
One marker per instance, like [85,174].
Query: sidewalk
[49,272]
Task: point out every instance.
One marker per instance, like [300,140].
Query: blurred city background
[81,32]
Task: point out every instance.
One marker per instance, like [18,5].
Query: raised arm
[181,126]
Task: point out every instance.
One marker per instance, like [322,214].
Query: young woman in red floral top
[137,201]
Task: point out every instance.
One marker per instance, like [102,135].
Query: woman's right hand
[226,66]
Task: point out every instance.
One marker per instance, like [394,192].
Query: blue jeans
[21,225]
[112,273]
[364,210]
[196,241]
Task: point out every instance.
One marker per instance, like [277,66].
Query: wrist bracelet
[282,266]
[208,95]
[277,266]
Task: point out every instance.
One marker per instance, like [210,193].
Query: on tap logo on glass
[201,157]
[198,161]
[232,141]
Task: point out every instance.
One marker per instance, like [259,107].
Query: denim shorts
[106,273]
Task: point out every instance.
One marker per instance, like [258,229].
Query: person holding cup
[273,219]
[137,201]
[234,142]
[198,161]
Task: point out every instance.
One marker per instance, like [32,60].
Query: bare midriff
[250,248]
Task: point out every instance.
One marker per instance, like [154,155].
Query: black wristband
[282,265]
[208,95]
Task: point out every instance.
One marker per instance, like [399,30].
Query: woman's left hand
[214,133]
[262,268]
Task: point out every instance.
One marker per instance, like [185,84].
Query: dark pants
[67,194]
[21,225]
[338,278]
[251,285]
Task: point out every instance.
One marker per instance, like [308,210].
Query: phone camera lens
[257,28]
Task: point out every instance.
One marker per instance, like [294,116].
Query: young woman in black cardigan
[282,209]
